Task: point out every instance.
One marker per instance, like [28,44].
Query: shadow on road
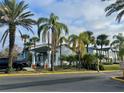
[46,82]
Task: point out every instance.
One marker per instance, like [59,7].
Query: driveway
[98,82]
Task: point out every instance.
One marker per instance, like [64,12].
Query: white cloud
[40,3]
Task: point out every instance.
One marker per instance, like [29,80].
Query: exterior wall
[65,51]
[109,54]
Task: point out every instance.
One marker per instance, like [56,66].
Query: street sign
[122,65]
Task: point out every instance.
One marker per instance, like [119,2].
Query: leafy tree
[14,14]
[89,58]
[16,51]
[56,28]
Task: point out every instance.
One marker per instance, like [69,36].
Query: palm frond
[42,20]
[119,16]
[4,37]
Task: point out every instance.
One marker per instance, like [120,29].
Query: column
[33,60]
[49,58]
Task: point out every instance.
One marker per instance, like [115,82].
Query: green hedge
[92,66]
[112,67]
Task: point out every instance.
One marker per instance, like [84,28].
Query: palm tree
[77,44]
[34,40]
[102,40]
[28,45]
[56,28]
[91,39]
[116,7]
[60,41]
[14,14]
[117,44]
[25,37]
[72,41]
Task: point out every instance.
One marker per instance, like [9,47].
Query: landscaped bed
[121,79]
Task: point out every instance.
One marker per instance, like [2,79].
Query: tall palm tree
[91,39]
[116,7]
[117,44]
[56,28]
[102,40]
[25,37]
[14,14]
[61,41]
[34,40]
[28,45]
[77,44]
[72,41]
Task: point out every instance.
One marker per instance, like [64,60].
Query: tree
[28,45]
[60,41]
[91,39]
[34,40]
[118,44]
[77,44]
[5,52]
[102,40]
[14,14]
[56,28]
[116,7]
[25,37]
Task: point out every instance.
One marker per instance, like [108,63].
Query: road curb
[117,79]
[36,74]
[49,73]
[12,75]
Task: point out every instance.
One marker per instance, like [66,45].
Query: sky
[78,15]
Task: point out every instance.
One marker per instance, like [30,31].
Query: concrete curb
[49,73]
[115,78]
[12,75]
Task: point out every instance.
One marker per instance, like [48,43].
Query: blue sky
[78,15]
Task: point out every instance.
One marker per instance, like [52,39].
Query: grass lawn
[112,67]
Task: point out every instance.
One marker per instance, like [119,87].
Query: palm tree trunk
[87,48]
[12,29]
[101,54]
[52,61]
[60,55]
[52,51]
[79,60]
[48,37]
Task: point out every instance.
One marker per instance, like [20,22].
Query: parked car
[17,64]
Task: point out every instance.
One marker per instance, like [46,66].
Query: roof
[41,48]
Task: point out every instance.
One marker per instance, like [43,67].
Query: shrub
[89,58]
[89,62]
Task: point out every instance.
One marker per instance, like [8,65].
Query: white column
[33,59]
[49,56]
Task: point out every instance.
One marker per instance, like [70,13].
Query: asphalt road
[99,82]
